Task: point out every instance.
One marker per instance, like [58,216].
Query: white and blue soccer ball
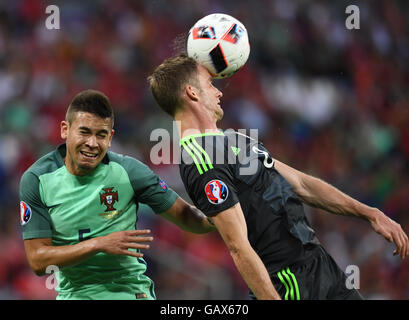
[220,43]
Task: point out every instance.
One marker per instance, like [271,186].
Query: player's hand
[120,242]
[392,232]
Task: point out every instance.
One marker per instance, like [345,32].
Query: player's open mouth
[89,155]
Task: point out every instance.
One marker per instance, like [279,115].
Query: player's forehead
[92,121]
[203,73]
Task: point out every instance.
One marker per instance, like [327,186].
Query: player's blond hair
[170,78]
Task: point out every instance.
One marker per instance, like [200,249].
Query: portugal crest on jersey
[108,198]
[216,191]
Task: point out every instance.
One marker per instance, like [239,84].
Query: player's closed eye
[84,130]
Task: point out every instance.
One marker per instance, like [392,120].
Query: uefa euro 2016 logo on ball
[220,43]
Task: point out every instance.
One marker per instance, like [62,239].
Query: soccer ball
[220,43]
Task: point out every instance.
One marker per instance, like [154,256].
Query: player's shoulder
[130,164]
[204,154]
[46,164]
[205,147]
[242,138]
[124,159]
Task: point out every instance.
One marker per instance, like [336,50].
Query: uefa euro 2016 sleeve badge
[216,191]
[163,185]
[25,213]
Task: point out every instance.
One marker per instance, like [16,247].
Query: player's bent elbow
[39,270]
[38,255]
[36,265]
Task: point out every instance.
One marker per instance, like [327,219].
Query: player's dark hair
[91,101]
[169,79]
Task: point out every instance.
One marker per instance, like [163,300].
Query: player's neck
[190,123]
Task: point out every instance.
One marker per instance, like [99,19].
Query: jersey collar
[187,138]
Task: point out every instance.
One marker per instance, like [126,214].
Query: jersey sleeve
[34,217]
[148,187]
[212,191]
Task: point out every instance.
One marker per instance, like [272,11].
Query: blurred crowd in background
[326,100]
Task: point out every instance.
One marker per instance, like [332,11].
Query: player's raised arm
[232,227]
[317,193]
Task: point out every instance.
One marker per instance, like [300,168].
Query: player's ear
[192,92]
[64,129]
[110,137]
